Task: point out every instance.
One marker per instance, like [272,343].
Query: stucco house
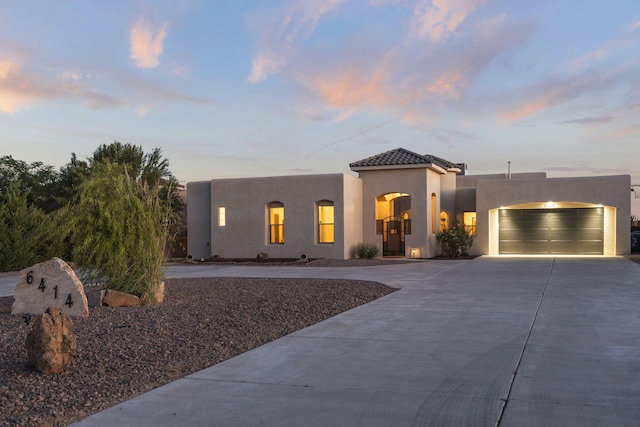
[399,201]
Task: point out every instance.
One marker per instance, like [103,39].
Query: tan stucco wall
[352,221]
[448,194]
[246,231]
[199,219]
[612,192]
[433,186]
[465,195]
[472,180]
[419,183]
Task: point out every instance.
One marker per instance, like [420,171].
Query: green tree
[26,235]
[119,231]
[36,180]
[151,169]
[71,176]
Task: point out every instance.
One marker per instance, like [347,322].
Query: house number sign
[43,288]
[47,284]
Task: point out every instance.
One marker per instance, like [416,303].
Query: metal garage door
[552,231]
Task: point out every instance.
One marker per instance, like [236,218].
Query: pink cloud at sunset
[438,19]
[11,95]
[352,90]
[147,45]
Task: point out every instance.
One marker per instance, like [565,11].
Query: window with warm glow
[434,216]
[276,222]
[469,220]
[222,216]
[326,223]
[444,221]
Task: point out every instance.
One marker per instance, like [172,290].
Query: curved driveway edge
[485,342]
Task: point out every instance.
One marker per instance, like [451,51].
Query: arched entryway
[393,222]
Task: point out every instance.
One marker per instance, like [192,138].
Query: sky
[284,87]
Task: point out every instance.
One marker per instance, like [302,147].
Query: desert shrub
[119,230]
[365,251]
[455,242]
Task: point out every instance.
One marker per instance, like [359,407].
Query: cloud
[402,77]
[436,20]
[11,96]
[589,120]
[590,58]
[558,91]
[352,89]
[628,131]
[8,67]
[147,46]
[281,40]
[21,88]
[70,75]
[263,65]
[449,84]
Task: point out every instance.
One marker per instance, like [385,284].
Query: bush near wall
[455,242]
[365,251]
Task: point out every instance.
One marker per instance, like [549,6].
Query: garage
[575,231]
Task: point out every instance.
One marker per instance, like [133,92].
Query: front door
[393,232]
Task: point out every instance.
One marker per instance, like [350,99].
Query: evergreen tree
[25,231]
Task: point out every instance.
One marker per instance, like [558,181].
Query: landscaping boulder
[51,343]
[51,283]
[120,299]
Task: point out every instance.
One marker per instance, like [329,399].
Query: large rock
[95,295]
[51,283]
[119,299]
[51,344]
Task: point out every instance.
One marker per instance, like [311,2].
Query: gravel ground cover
[123,352]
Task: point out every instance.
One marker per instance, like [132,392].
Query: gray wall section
[199,219]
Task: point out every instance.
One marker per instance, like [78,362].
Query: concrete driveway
[485,342]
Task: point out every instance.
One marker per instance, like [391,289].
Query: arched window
[444,221]
[326,222]
[276,223]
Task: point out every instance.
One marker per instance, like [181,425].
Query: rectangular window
[325,224]
[222,216]
[276,224]
[469,220]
